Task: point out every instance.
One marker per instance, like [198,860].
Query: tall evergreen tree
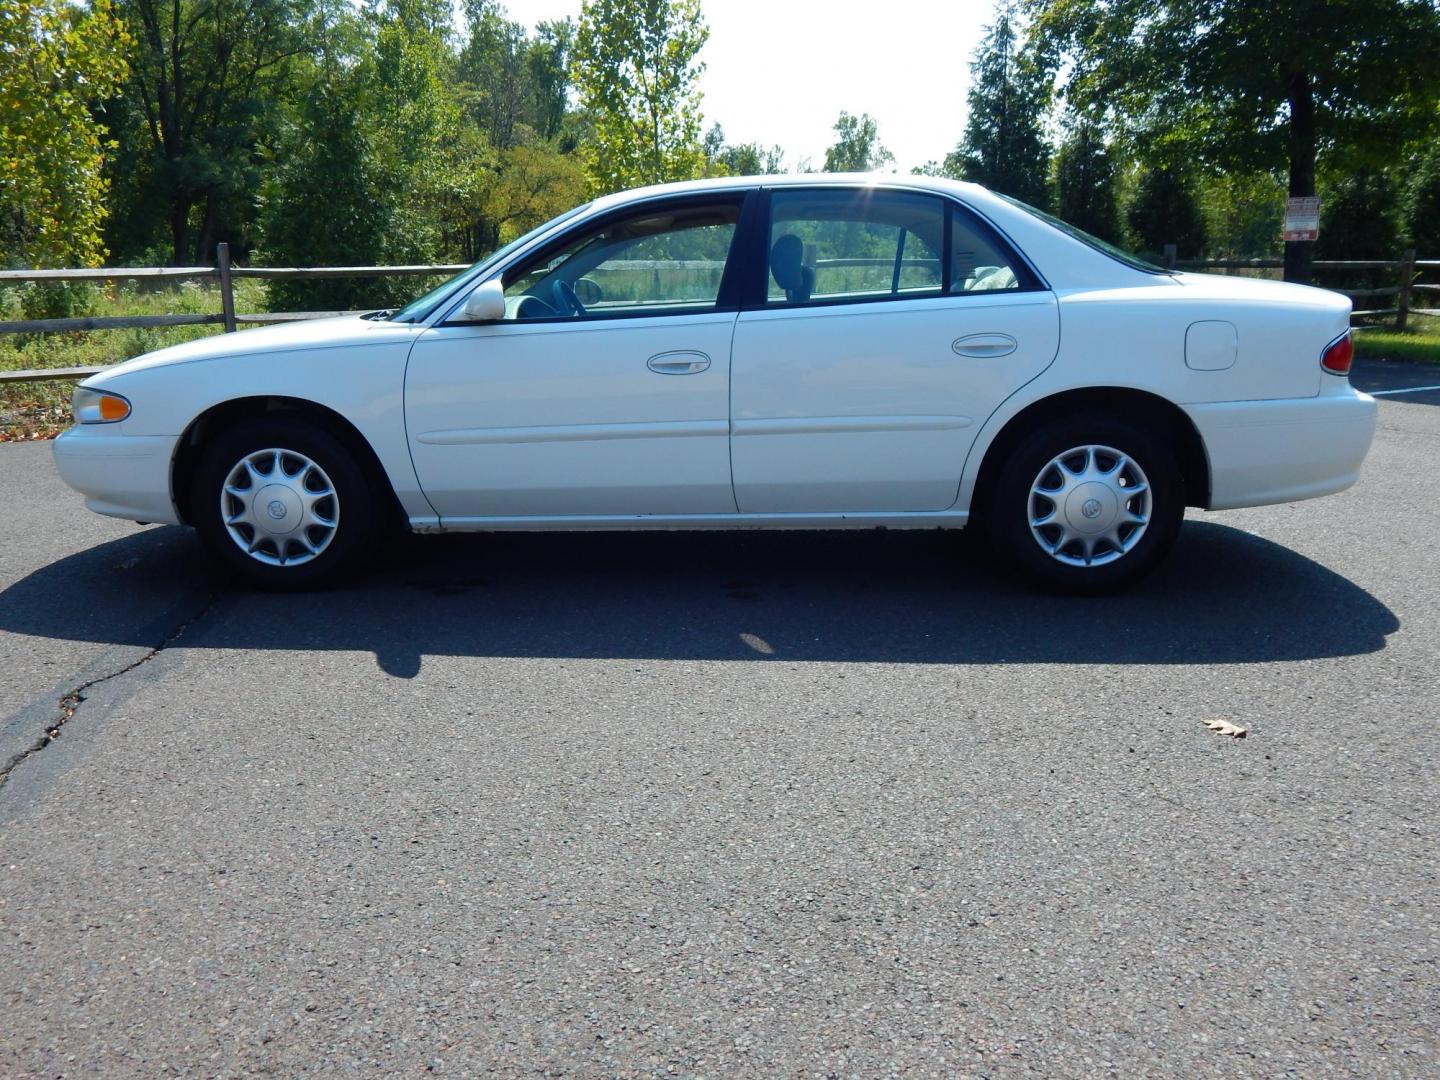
[1085,183]
[1004,146]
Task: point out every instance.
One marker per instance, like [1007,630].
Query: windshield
[420,308]
[1118,254]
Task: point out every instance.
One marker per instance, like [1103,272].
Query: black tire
[1008,511]
[355,506]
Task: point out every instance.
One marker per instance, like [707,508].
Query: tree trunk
[180,230]
[1300,254]
[204,245]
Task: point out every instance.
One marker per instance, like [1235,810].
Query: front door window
[658,262]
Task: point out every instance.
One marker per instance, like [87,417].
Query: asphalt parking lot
[837,804]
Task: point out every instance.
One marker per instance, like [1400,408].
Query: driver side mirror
[486,303]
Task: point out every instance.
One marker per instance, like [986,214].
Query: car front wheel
[283,503]
[1087,505]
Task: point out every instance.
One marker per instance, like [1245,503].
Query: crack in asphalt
[70,701]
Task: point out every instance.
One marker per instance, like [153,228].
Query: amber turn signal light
[97,407]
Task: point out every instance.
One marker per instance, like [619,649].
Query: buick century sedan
[806,352]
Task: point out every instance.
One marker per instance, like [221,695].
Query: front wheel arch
[191,447]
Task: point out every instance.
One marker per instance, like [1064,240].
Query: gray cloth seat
[787,266]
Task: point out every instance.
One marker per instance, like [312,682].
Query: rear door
[889,325]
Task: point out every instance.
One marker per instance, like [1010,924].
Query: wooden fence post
[1402,299]
[227,291]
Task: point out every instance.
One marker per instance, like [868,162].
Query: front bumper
[124,476]
[1282,451]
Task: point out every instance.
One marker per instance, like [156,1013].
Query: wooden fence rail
[1403,290]
[225,274]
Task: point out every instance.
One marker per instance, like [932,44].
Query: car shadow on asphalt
[1224,596]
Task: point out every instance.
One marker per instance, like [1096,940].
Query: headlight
[97,406]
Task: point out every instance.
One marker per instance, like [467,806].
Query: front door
[603,392]
[890,326]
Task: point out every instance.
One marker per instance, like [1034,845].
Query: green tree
[752,159]
[535,181]
[326,199]
[436,166]
[857,146]
[1243,213]
[327,203]
[1422,206]
[1165,211]
[514,91]
[57,61]
[1249,84]
[519,81]
[207,78]
[1360,215]
[1085,191]
[376,165]
[739,159]
[1004,146]
[634,65]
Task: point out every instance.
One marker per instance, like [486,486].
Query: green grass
[40,409]
[1420,342]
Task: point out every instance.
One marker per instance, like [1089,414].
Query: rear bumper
[1282,451]
[124,476]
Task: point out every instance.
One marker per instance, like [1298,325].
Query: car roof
[1061,260]
[780,180]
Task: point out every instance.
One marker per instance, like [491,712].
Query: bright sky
[781,71]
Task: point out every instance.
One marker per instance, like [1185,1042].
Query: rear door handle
[679,362]
[984,345]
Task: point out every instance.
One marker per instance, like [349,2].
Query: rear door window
[854,245]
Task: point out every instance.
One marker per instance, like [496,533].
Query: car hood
[1222,286]
[286,337]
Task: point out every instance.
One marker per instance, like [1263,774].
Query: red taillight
[1338,354]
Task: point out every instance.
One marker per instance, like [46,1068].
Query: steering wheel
[567,300]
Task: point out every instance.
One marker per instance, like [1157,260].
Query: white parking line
[1407,390]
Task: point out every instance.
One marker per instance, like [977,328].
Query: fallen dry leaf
[1224,727]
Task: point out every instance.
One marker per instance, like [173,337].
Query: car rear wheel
[283,503]
[1087,505]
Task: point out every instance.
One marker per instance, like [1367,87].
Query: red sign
[1302,218]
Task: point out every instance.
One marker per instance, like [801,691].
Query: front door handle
[680,362]
[984,345]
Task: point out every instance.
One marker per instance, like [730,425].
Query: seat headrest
[787,263]
[787,266]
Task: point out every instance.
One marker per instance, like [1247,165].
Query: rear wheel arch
[190,449]
[1161,417]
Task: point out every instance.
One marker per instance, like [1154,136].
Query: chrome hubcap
[279,507]
[1089,506]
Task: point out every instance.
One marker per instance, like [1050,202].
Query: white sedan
[758,352]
